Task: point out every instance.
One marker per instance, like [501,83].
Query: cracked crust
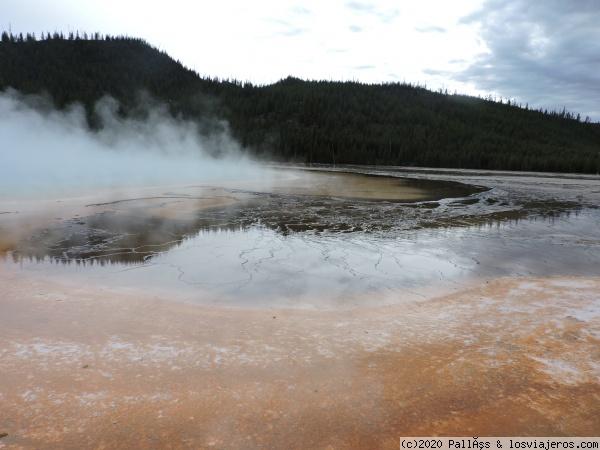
[84,367]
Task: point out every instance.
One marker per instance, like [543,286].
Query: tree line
[314,121]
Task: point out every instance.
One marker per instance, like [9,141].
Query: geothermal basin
[330,308]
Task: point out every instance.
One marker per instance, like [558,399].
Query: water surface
[316,239]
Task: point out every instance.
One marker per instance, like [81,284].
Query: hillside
[307,121]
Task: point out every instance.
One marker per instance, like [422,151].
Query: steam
[44,150]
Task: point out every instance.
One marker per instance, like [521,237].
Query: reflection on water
[314,202]
[114,238]
[259,266]
[286,247]
[135,238]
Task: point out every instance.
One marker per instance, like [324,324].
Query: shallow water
[303,236]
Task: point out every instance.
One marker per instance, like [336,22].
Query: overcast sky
[542,52]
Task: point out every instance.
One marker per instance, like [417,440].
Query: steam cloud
[46,150]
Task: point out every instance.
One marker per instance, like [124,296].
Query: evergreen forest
[315,122]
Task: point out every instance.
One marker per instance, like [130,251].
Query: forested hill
[307,121]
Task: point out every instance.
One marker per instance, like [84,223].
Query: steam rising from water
[44,150]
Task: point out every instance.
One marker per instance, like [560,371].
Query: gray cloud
[545,53]
[430,71]
[355,28]
[365,67]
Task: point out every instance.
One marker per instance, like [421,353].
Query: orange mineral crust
[83,367]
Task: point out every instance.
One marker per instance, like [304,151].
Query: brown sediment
[83,367]
[343,184]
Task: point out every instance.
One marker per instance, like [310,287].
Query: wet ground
[90,368]
[301,312]
[300,234]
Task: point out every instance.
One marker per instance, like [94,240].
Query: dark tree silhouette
[306,121]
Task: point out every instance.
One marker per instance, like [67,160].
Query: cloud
[337,50]
[365,67]
[430,71]
[355,28]
[64,154]
[361,7]
[286,28]
[395,76]
[545,53]
[369,8]
[431,29]
[303,11]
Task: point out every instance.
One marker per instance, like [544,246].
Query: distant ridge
[305,121]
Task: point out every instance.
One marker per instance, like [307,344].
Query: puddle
[306,235]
